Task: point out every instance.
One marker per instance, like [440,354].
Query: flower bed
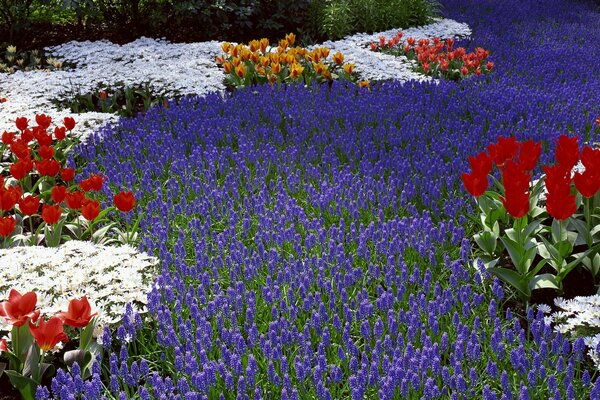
[315,243]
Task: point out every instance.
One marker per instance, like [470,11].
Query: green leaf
[486,241]
[564,248]
[584,233]
[544,281]
[25,386]
[531,228]
[513,279]
[2,368]
[559,231]
[564,271]
[551,254]
[73,356]
[86,335]
[31,367]
[516,253]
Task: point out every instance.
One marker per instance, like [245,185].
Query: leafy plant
[12,59]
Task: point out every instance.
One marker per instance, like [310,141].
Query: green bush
[334,19]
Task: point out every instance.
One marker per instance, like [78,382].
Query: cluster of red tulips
[37,176]
[33,336]
[437,58]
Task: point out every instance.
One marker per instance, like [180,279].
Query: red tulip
[47,334]
[481,163]
[515,178]
[67,174]
[505,149]
[94,182]
[567,151]
[90,209]
[20,169]
[587,183]
[47,167]
[124,201]
[20,149]
[21,123]
[42,137]
[598,121]
[46,152]
[79,313]
[8,137]
[590,158]
[43,120]
[69,123]
[7,226]
[3,346]
[19,308]
[560,206]
[75,199]
[516,203]
[9,197]
[60,132]
[29,205]
[529,154]
[475,183]
[51,213]
[558,179]
[58,193]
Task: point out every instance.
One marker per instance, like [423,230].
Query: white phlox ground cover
[110,277]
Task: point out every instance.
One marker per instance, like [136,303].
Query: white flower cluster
[109,276]
[172,68]
[580,316]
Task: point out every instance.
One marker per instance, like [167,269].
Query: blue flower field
[314,243]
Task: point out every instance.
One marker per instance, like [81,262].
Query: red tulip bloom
[590,158]
[69,123]
[560,206]
[47,334]
[58,193]
[21,168]
[60,132]
[516,203]
[475,183]
[19,308]
[3,346]
[529,154]
[567,151]
[43,120]
[47,167]
[90,209]
[67,174]
[21,123]
[46,152]
[42,137]
[9,197]
[587,183]
[124,201]
[8,137]
[7,226]
[481,163]
[558,179]
[29,205]
[515,178]
[94,182]
[74,199]
[598,121]
[51,214]
[505,149]
[20,149]
[79,313]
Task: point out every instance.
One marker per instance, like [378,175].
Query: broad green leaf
[532,227]
[538,266]
[555,258]
[515,251]
[564,248]
[544,281]
[559,231]
[74,356]
[564,271]
[31,367]
[486,241]
[513,279]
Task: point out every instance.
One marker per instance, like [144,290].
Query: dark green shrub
[15,16]
[334,19]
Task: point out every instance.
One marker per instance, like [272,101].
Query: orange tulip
[264,43]
[290,38]
[320,68]
[226,46]
[276,68]
[348,68]
[254,45]
[338,58]
[283,44]
[19,308]
[254,57]
[264,61]
[324,52]
[227,67]
[364,84]
[296,70]
[240,70]
[47,334]
[79,313]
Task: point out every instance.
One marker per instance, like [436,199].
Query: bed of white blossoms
[580,317]
[110,277]
[173,68]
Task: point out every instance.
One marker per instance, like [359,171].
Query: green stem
[587,204]
[33,236]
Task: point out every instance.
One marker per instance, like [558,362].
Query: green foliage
[15,15]
[334,19]
[12,59]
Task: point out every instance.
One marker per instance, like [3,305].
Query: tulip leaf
[513,279]
[559,231]
[583,230]
[544,281]
[31,367]
[26,386]
[486,241]
[538,266]
[86,335]
[47,368]
[592,264]
[564,248]
[551,254]
[564,271]
[2,367]
[532,227]
[74,356]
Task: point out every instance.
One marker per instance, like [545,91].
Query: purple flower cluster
[312,241]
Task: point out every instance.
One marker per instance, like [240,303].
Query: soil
[7,391]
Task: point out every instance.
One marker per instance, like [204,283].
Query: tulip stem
[33,235]
[587,202]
